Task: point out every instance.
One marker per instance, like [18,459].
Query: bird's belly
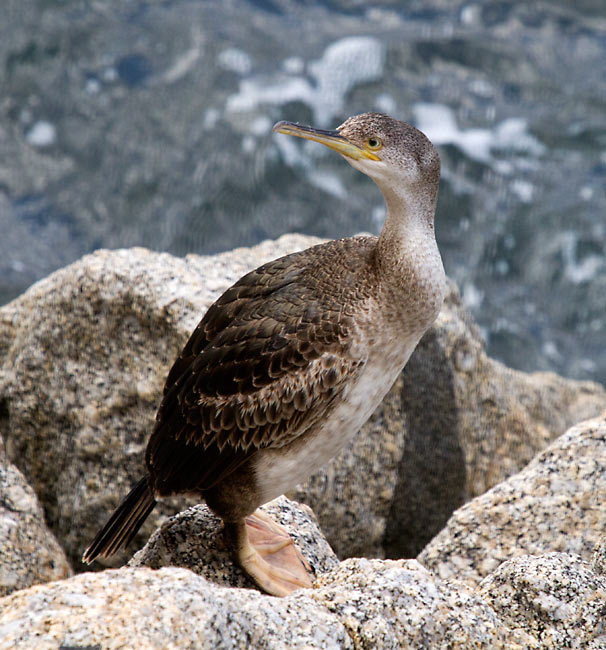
[279,470]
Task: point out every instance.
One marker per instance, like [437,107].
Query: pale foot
[268,555]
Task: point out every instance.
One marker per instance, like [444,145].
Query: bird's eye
[374,143]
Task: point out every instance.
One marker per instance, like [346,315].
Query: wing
[264,365]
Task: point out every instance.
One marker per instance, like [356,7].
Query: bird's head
[393,153]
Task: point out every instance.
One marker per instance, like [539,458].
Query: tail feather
[124,523]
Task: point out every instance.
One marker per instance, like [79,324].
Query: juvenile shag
[290,362]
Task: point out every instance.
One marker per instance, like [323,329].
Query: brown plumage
[262,367]
[290,361]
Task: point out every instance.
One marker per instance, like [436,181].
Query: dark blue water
[149,123]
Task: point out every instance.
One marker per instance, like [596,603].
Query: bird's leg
[268,555]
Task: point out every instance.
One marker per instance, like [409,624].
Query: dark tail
[123,525]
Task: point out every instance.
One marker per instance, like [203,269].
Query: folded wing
[263,366]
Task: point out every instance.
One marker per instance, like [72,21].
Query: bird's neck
[408,261]
[408,227]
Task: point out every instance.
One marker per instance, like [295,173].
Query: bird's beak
[332,139]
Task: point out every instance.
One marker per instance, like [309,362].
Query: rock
[29,552]
[194,540]
[555,504]
[598,561]
[361,604]
[555,598]
[168,608]
[83,359]
[470,422]
[398,604]
[552,601]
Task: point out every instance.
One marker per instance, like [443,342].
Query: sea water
[149,123]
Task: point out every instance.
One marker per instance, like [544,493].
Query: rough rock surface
[168,608]
[598,561]
[548,602]
[470,422]
[555,598]
[194,540]
[555,504]
[398,604]
[29,552]
[83,358]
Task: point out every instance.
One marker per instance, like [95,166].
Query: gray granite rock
[29,552]
[83,358]
[598,560]
[555,598]
[194,540]
[399,604]
[555,504]
[470,422]
[553,601]
[168,608]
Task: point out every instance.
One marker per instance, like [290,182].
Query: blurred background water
[131,122]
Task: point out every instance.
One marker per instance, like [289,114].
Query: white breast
[279,470]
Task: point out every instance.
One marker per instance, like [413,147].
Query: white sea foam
[92,86]
[585,270]
[501,267]
[577,271]
[110,74]
[344,64]
[470,15]
[438,122]
[260,125]
[235,60]
[263,90]
[293,65]
[42,134]
[524,189]
[513,134]
[586,193]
